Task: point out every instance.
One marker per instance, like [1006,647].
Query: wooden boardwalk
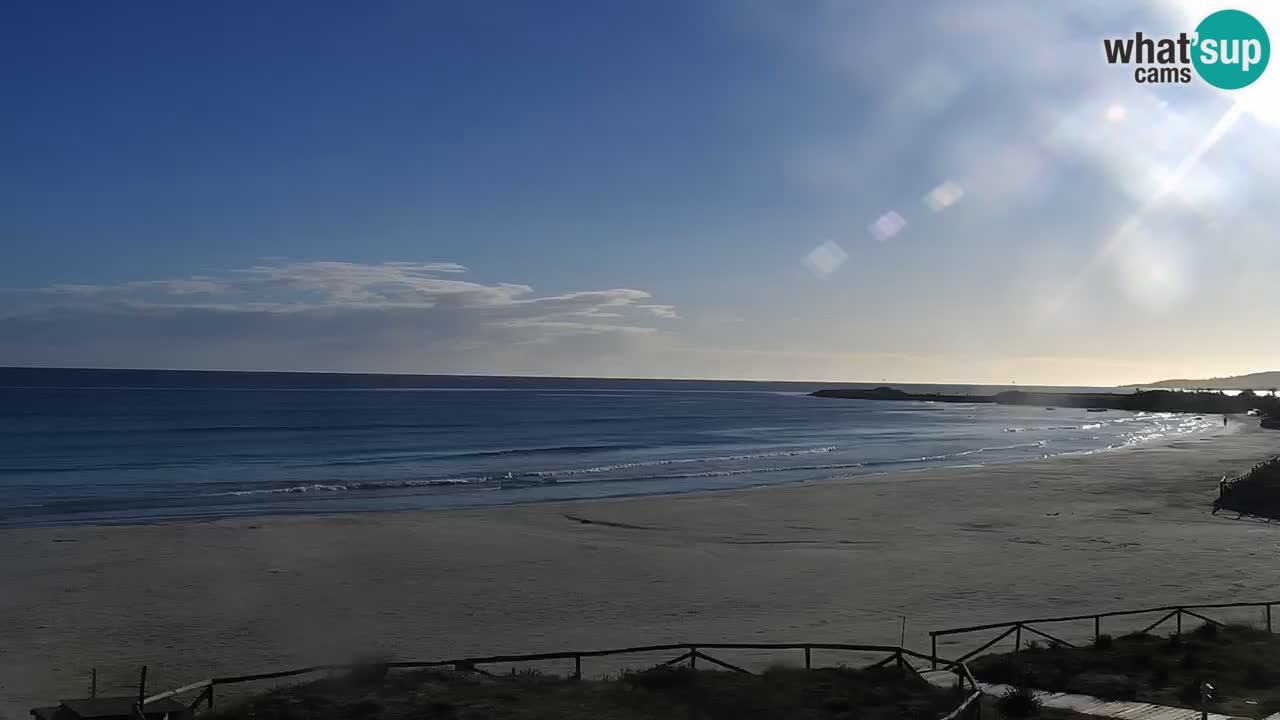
[1087,704]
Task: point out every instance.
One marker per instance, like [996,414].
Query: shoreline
[1237,424]
[832,559]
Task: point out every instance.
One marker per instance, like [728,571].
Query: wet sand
[833,562]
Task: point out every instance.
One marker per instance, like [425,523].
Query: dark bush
[441,711]
[1104,685]
[1140,661]
[1160,676]
[836,705]
[1257,675]
[361,709]
[1207,631]
[367,673]
[663,677]
[1005,669]
[1017,703]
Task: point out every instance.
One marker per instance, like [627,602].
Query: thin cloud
[294,315]
[667,312]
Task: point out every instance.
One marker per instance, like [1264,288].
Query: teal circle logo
[1231,49]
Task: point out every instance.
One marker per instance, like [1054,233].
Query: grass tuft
[1018,703]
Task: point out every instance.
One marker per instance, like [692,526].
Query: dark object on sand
[116,708]
[1270,422]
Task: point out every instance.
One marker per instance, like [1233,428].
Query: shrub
[361,709]
[1160,676]
[1256,675]
[836,705]
[1208,631]
[1018,702]
[663,677]
[369,671]
[1109,686]
[1004,669]
[1140,661]
[1102,642]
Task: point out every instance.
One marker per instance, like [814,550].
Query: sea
[118,446]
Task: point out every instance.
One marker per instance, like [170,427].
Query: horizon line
[558,377]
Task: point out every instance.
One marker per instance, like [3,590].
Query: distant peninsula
[1269,380]
[1144,400]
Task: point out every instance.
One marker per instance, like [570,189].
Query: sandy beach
[839,562]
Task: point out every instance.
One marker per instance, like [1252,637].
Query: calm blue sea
[81,446]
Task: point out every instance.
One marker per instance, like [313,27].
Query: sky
[915,191]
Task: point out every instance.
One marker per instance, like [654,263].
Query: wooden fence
[1016,628]
[689,652]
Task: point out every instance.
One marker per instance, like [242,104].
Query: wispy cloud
[313,314]
[663,311]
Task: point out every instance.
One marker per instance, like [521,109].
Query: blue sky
[627,189]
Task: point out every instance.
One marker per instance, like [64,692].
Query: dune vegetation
[665,692]
[1240,662]
[1257,492]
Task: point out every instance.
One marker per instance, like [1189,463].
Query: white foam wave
[680,461]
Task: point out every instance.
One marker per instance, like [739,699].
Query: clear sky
[913,191]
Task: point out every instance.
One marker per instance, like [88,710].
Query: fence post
[93,678]
[1017,638]
[1268,617]
[693,657]
[808,663]
[142,685]
[1179,614]
[1097,627]
[577,667]
[934,654]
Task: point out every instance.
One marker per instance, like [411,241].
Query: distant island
[1215,403]
[1253,381]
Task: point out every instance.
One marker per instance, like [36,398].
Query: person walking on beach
[1224,420]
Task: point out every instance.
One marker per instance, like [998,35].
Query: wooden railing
[689,652]
[1016,628]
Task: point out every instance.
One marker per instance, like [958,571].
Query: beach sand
[833,562]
